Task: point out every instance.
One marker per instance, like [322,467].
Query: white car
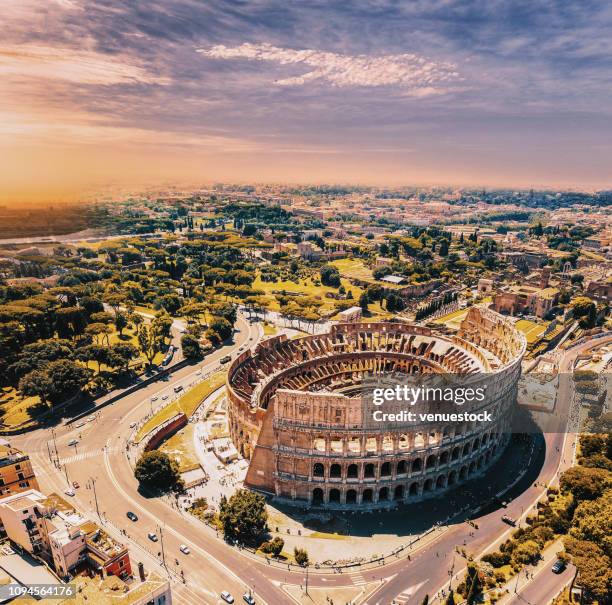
[164,397]
[133,425]
[184,549]
[73,442]
[69,492]
[154,398]
[227,597]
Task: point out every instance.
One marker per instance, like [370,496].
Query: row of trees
[580,512]
[435,305]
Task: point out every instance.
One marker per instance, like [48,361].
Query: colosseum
[295,411]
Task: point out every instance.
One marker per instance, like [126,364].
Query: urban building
[16,473]
[49,528]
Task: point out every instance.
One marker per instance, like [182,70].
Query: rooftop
[108,591]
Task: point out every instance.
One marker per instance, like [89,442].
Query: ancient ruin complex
[295,410]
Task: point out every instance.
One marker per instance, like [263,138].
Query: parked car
[75,484]
[164,397]
[248,599]
[133,425]
[73,442]
[152,536]
[227,597]
[558,566]
[132,516]
[184,549]
[178,388]
[154,398]
[226,359]
[509,520]
[69,492]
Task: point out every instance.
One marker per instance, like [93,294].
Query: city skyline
[423,93]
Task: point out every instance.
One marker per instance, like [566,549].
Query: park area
[310,287]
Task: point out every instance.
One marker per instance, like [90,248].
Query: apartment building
[48,527]
[16,473]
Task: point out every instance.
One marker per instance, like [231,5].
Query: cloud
[405,70]
[75,66]
[74,129]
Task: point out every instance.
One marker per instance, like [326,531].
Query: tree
[191,347]
[527,552]
[450,599]
[273,547]
[593,520]
[94,352]
[121,323]
[149,342]
[57,381]
[581,306]
[121,354]
[99,329]
[301,556]
[36,384]
[473,584]
[594,567]
[330,276]
[156,471]
[162,325]
[585,483]
[244,517]
[591,444]
[221,327]
[364,301]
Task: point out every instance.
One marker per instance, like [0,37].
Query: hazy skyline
[373,92]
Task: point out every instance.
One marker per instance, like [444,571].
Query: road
[214,566]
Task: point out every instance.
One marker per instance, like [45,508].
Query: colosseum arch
[318,470]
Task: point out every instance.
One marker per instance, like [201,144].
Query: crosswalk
[87,455]
[358,579]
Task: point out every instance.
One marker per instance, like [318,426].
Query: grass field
[532,331]
[180,447]
[452,320]
[352,268]
[187,404]
[308,288]
[269,329]
[14,409]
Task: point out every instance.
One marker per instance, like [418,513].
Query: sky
[414,92]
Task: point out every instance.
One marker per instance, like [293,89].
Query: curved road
[213,566]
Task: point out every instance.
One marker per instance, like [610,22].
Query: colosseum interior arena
[295,411]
